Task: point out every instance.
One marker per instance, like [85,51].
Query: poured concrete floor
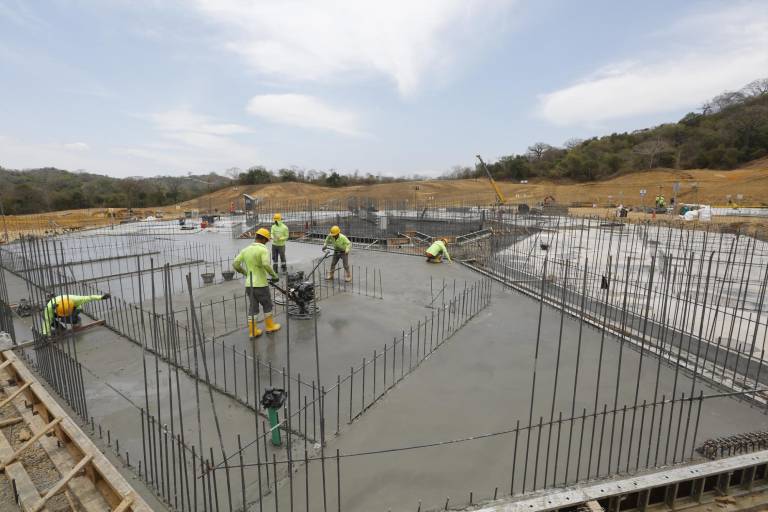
[478,382]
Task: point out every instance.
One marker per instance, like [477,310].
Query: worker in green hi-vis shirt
[253,263]
[437,250]
[64,310]
[280,233]
[341,246]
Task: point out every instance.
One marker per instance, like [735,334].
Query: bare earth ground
[696,186]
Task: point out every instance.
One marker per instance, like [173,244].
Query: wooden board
[101,488]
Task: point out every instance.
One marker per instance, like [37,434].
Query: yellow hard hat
[277,216]
[335,230]
[64,306]
[263,232]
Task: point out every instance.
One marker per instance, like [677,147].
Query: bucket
[227,275]
[208,277]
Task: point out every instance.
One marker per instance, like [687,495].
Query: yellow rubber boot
[347,276]
[253,328]
[270,324]
[329,277]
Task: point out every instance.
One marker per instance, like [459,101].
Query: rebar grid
[625,280]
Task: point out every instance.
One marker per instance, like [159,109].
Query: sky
[396,87]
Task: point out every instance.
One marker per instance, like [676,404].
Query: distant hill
[746,186]
[729,131]
[50,189]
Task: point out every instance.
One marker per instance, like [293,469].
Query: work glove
[106,296]
[274,280]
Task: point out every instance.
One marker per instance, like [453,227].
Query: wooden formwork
[88,480]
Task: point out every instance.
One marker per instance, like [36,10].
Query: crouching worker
[253,262]
[340,245]
[437,250]
[64,310]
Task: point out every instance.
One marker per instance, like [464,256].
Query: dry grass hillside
[713,188]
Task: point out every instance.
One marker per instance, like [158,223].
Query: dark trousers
[339,255]
[258,296]
[60,322]
[278,252]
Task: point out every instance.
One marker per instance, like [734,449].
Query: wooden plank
[28,494]
[54,339]
[53,491]
[14,394]
[29,443]
[63,453]
[10,421]
[124,505]
[112,485]
[70,500]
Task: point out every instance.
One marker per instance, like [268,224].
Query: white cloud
[311,40]
[77,146]
[196,142]
[705,55]
[183,120]
[303,111]
[183,141]
[22,154]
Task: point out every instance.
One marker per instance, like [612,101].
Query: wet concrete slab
[480,382]
[350,326]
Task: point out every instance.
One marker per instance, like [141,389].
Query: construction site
[554,362]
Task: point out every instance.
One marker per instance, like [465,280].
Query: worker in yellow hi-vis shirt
[65,310]
[280,233]
[253,263]
[437,250]
[341,246]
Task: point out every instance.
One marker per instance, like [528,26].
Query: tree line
[727,131]
[50,189]
[259,175]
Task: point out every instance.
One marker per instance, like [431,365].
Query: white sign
[676,187]
[642,192]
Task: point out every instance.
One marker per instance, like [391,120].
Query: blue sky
[403,87]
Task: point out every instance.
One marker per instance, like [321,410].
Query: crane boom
[499,196]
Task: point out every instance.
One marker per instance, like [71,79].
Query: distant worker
[437,250]
[341,246]
[64,310]
[660,202]
[279,234]
[253,263]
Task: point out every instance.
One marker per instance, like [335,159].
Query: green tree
[334,180]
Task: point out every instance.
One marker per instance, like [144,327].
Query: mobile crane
[500,199]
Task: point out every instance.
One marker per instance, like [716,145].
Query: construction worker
[253,263]
[279,233]
[437,250]
[65,309]
[341,246]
